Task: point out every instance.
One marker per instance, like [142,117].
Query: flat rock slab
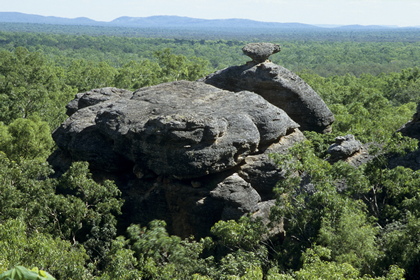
[180,129]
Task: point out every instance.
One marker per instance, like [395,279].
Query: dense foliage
[369,229]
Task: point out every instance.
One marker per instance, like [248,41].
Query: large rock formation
[278,85]
[185,152]
[180,129]
[191,153]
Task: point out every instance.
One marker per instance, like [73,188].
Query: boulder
[347,148]
[185,152]
[238,196]
[179,129]
[194,153]
[280,87]
[261,171]
[344,146]
[260,52]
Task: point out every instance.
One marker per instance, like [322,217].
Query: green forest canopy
[68,226]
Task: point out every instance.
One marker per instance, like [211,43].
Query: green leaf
[22,273]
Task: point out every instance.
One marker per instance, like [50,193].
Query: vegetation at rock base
[369,228]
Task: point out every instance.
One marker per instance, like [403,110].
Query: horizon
[401,13]
[109,21]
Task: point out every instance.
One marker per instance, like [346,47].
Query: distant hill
[14,17]
[171,22]
[176,21]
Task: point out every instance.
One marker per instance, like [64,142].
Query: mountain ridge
[170,21]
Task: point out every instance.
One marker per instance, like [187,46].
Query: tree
[18,246]
[26,139]
[403,87]
[178,67]
[29,86]
[121,262]
[85,211]
[161,256]
[84,75]
[317,211]
[137,74]
[73,208]
[317,264]
[240,248]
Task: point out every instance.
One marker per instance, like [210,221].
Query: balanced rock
[280,87]
[260,52]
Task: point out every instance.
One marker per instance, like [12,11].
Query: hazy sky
[365,12]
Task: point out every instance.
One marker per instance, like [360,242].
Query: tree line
[349,33]
[323,57]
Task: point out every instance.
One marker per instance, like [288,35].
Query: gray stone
[282,88]
[260,52]
[348,149]
[344,147]
[184,152]
[192,153]
[261,171]
[238,197]
[95,96]
[275,229]
[179,129]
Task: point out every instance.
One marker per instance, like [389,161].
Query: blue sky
[365,12]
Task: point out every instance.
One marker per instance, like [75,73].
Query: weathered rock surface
[347,148]
[280,87]
[180,129]
[238,196]
[95,96]
[344,147]
[184,152]
[260,52]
